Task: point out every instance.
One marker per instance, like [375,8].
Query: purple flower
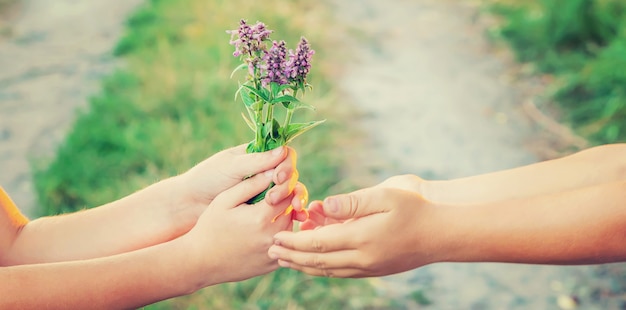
[248,40]
[275,62]
[299,63]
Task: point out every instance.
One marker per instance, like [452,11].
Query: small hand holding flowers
[128,253]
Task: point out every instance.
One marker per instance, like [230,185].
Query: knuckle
[353,205]
[318,262]
[315,261]
[317,246]
[328,273]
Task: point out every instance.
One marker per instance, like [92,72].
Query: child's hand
[229,167]
[231,238]
[318,218]
[195,189]
[375,231]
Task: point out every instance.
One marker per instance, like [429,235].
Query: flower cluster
[276,76]
[248,40]
[300,63]
[275,64]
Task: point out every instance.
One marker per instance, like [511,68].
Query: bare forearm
[580,226]
[590,167]
[136,221]
[124,281]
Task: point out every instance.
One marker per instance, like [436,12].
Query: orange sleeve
[8,207]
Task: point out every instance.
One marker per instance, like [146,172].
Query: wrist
[202,262]
[446,192]
[426,189]
[182,210]
[439,233]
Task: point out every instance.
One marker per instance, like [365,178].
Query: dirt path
[440,102]
[52,57]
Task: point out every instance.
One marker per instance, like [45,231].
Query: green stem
[290,111]
[258,114]
[270,114]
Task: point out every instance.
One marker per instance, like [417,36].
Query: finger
[316,216]
[330,260]
[244,190]
[301,215]
[329,273]
[242,165]
[325,239]
[282,191]
[300,197]
[237,150]
[286,169]
[307,224]
[356,204]
[284,207]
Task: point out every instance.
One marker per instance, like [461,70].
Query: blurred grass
[5,3]
[582,43]
[172,106]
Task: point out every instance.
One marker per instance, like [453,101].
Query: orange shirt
[8,207]
[5,199]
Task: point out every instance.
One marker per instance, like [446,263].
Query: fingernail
[302,203]
[272,197]
[283,263]
[332,204]
[277,151]
[269,173]
[281,177]
[273,255]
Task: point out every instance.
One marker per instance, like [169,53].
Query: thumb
[354,205]
[249,164]
[243,191]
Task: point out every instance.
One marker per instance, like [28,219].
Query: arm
[590,167]
[581,226]
[200,258]
[391,228]
[156,214]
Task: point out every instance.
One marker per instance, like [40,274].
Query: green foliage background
[583,44]
[173,105]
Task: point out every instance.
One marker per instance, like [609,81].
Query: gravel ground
[52,57]
[439,101]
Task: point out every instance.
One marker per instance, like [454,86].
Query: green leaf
[250,147]
[296,129]
[273,143]
[295,105]
[246,97]
[265,128]
[257,105]
[275,129]
[276,88]
[241,66]
[261,93]
[284,98]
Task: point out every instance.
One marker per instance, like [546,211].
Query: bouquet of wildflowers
[275,77]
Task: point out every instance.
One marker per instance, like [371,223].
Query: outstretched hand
[376,231]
